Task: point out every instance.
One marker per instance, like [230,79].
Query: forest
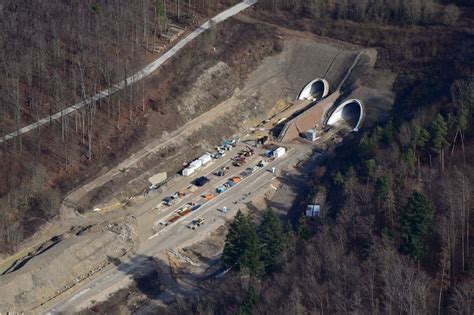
[53,55]
[395,232]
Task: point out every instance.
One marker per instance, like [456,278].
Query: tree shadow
[154,278]
[299,183]
[146,272]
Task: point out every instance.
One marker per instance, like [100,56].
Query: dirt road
[176,235]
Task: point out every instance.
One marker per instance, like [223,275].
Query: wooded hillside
[396,231]
[54,54]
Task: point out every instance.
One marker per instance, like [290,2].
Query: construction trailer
[196,163]
[188,171]
[206,158]
[279,152]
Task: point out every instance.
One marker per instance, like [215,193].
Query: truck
[174,219]
[185,212]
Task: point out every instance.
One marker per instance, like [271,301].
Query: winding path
[143,73]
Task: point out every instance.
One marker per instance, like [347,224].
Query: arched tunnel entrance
[314,90]
[347,115]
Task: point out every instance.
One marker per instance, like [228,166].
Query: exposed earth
[216,100]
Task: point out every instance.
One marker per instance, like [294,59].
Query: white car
[223,209]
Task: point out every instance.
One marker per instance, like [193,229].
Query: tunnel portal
[348,114]
[314,90]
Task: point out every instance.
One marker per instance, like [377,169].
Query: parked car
[169,201]
[220,189]
[201,181]
[223,209]
[218,155]
[262,163]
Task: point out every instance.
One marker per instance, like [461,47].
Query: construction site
[164,210]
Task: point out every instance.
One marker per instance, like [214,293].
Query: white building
[196,164]
[313,211]
[206,158]
[279,152]
[311,135]
[188,171]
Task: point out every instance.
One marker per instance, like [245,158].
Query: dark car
[201,181]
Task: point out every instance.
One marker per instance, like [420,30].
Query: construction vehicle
[199,221]
[196,223]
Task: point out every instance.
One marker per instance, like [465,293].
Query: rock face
[74,257]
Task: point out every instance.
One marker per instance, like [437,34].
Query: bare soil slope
[212,103]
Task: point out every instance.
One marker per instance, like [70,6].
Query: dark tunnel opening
[317,90]
[347,115]
[351,114]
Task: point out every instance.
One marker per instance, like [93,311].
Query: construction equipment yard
[83,258]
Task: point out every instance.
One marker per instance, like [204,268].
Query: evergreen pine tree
[272,240]
[250,259]
[303,230]
[249,302]
[235,241]
[241,245]
[439,131]
[416,219]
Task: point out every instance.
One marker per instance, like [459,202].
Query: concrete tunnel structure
[350,112]
[315,90]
